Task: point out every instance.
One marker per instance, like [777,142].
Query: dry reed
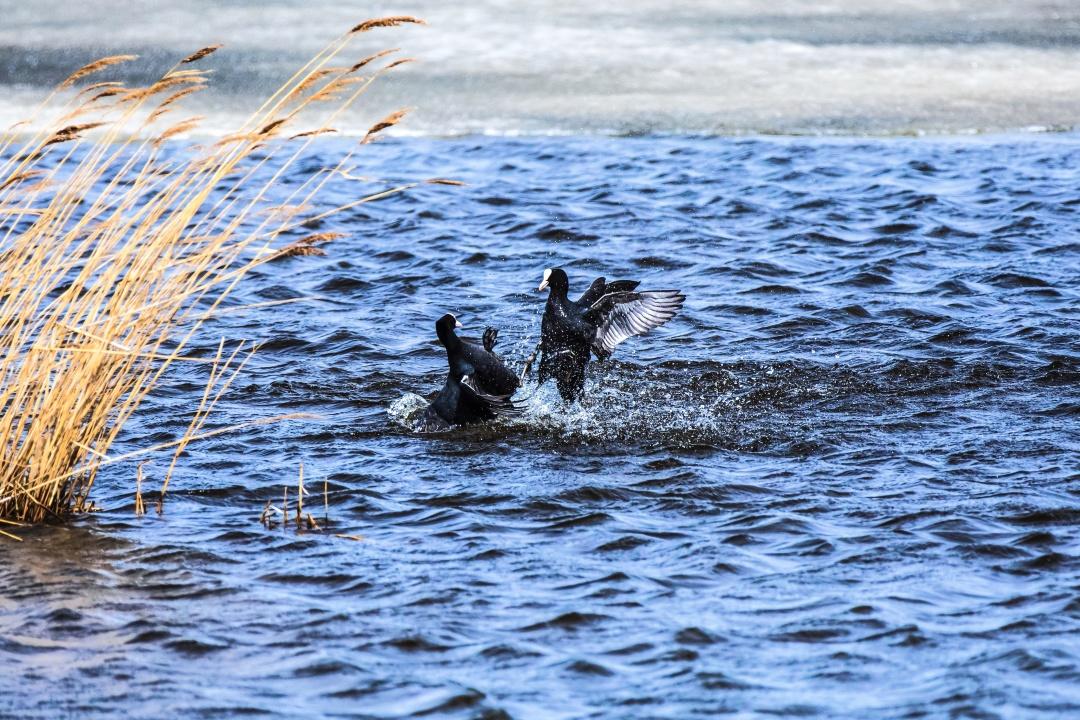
[96,66]
[200,54]
[389,121]
[309,245]
[372,58]
[302,520]
[116,255]
[140,506]
[387,22]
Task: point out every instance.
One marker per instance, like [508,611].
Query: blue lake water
[842,483]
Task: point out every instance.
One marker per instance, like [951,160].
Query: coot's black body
[459,403]
[478,385]
[604,316]
[488,372]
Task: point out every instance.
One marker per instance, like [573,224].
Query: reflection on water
[842,483]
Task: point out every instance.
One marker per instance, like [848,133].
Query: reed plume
[387,22]
[94,67]
[309,245]
[372,58]
[70,132]
[389,121]
[200,54]
[114,254]
[179,129]
[98,86]
[313,133]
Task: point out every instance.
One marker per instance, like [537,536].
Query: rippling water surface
[842,483]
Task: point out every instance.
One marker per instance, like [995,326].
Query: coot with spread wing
[606,315]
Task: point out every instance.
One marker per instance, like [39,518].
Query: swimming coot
[478,385]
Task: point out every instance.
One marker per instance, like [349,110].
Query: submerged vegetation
[115,251]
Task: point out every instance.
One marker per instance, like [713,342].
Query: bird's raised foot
[491,337]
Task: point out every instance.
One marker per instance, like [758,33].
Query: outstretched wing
[601,287]
[489,406]
[621,286]
[622,315]
[594,293]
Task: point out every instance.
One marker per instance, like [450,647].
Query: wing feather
[497,405]
[623,315]
[600,287]
[487,370]
[594,293]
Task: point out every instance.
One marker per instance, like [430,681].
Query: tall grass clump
[118,242]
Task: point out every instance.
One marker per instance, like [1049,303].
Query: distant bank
[678,66]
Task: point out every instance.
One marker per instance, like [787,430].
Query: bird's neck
[557,296]
[451,342]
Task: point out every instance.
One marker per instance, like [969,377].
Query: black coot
[603,317]
[478,385]
[488,372]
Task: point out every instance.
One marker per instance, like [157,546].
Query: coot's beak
[544,284]
[457,323]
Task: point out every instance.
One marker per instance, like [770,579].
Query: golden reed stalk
[113,254]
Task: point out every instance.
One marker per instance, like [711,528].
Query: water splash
[405,411]
[686,405]
[623,404]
